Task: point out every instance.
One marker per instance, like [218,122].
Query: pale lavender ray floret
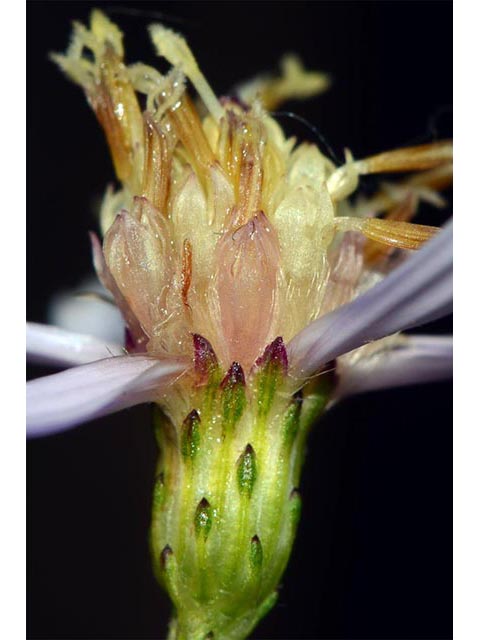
[420,290]
[54,346]
[417,292]
[89,309]
[63,400]
[415,359]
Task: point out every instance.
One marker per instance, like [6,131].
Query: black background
[373,554]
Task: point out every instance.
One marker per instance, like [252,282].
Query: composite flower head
[253,293]
[225,228]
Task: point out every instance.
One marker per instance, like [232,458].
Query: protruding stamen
[157,164]
[105,30]
[241,149]
[173,47]
[118,111]
[403,235]
[109,91]
[250,170]
[425,156]
[342,182]
[374,251]
[188,127]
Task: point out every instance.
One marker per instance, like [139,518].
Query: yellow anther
[425,156]
[394,233]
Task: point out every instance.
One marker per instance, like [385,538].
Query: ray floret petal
[63,400]
[417,292]
[414,359]
[58,347]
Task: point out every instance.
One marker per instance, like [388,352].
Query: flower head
[253,296]
[224,227]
